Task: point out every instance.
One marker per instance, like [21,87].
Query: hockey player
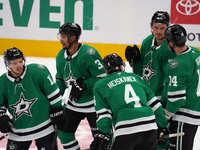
[28,93]
[78,66]
[153,56]
[124,101]
[183,89]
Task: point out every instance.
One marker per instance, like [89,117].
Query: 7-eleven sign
[185,11]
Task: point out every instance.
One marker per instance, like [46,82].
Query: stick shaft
[4,136]
[176,134]
[132,65]
[67,97]
[173,135]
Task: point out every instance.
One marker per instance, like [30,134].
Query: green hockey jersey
[86,63]
[124,101]
[29,102]
[152,63]
[183,87]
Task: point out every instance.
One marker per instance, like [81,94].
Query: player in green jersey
[125,102]
[28,93]
[154,54]
[183,89]
[78,66]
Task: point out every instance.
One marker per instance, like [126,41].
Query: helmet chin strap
[171,48]
[67,48]
[69,44]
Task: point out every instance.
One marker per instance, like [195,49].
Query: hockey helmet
[177,34]
[70,29]
[12,54]
[160,17]
[112,63]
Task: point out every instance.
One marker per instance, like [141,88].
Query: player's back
[127,96]
[182,79]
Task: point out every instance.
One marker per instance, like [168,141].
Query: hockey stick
[132,65]
[3,137]
[67,97]
[55,136]
[64,107]
[173,135]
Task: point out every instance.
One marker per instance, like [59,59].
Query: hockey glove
[5,123]
[132,53]
[58,118]
[160,133]
[77,89]
[100,141]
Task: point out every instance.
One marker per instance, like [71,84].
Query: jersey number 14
[173,81]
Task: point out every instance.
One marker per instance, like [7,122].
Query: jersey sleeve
[49,87]
[157,108]
[104,114]
[59,75]
[3,100]
[145,47]
[94,64]
[176,92]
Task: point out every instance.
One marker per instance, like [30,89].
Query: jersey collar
[153,45]
[69,57]
[186,51]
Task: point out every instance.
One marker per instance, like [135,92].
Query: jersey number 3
[130,96]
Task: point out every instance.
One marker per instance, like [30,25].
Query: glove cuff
[103,136]
[3,114]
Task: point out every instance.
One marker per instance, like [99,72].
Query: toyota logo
[188,7]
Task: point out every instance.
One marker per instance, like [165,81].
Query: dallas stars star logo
[23,106]
[148,72]
[70,79]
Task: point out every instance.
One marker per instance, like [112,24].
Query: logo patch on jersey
[12,146]
[174,64]
[23,106]
[40,66]
[91,51]
[148,72]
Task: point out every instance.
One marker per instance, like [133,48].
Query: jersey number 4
[130,96]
